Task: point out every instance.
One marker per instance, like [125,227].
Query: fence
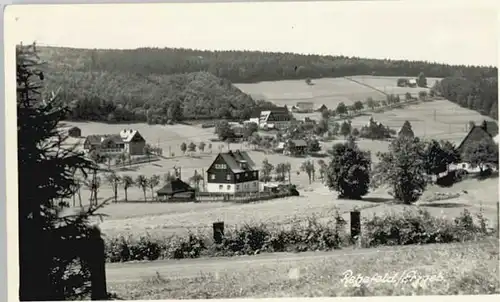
[240,197]
[217,197]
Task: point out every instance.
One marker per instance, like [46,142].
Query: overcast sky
[417,30]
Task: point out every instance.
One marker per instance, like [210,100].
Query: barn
[176,190]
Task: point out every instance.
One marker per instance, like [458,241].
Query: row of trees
[126,182]
[407,168]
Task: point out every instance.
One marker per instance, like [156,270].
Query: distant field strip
[366,85]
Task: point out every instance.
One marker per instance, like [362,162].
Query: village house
[260,116]
[128,141]
[74,132]
[275,119]
[305,106]
[232,172]
[295,147]
[486,131]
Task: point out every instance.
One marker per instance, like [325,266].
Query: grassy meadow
[328,91]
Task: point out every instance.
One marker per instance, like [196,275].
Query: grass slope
[458,269]
[328,91]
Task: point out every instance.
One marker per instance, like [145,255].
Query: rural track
[191,268]
[366,85]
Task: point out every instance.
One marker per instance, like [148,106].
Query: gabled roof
[128,134]
[94,139]
[175,186]
[257,111]
[112,138]
[491,128]
[475,127]
[322,107]
[233,160]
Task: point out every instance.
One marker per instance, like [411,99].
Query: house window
[220,166]
[463,166]
[237,176]
[254,184]
[228,177]
[212,176]
[254,174]
[229,187]
[221,187]
[237,187]
[246,174]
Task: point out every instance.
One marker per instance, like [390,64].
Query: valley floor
[166,219]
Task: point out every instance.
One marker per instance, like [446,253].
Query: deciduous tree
[349,170]
[403,168]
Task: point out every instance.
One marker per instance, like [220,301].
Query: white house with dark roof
[127,141]
[232,172]
[274,119]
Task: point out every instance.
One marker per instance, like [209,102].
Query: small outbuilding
[176,189]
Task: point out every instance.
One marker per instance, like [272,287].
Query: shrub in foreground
[311,234]
[420,227]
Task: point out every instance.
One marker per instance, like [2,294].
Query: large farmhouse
[232,172]
[275,119]
[128,141]
[271,117]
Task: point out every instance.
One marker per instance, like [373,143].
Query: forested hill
[247,66]
[155,85]
[120,97]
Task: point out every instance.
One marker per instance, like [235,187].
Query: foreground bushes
[409,227]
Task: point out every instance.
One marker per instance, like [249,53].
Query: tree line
[475,93]
[255,66]
[160,85]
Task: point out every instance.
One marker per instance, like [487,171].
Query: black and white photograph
[253,149]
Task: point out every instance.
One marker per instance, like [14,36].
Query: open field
[470,268]
[164,219]
[328,91]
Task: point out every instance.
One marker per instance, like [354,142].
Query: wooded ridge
[150,84]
